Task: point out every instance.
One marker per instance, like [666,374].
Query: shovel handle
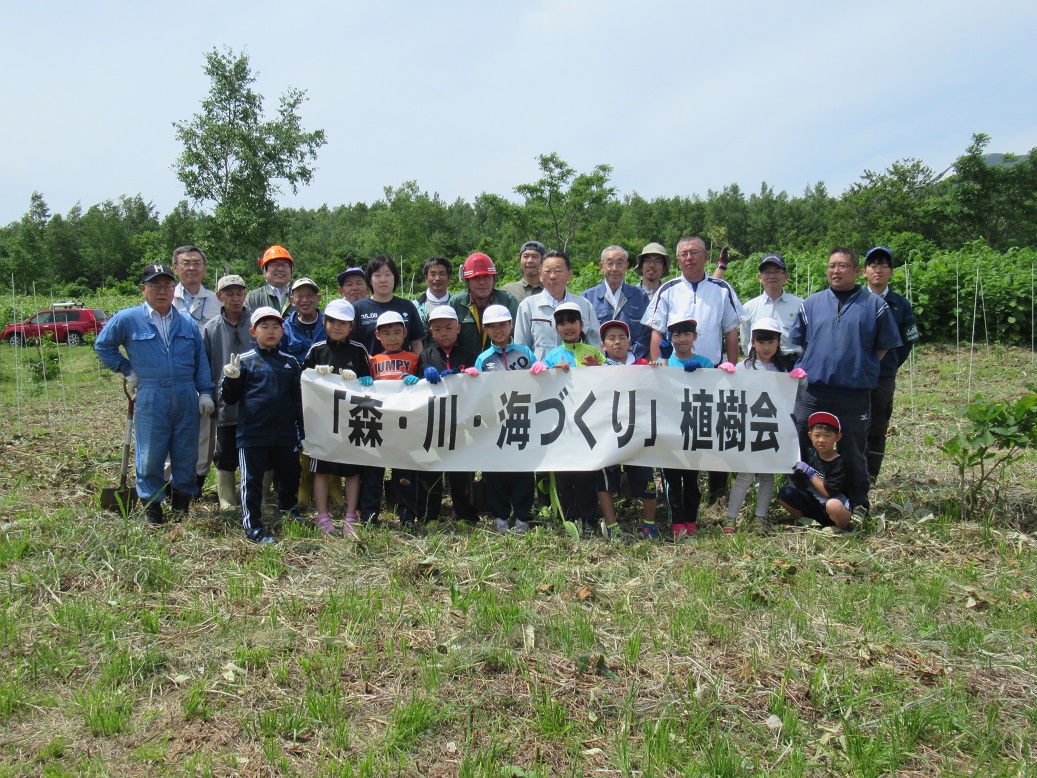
[129,397]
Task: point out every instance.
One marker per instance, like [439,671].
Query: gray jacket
[222,339]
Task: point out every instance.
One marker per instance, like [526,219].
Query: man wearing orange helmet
[277,266]
[480,276]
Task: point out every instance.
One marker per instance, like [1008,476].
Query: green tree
[236,159]
[561,201]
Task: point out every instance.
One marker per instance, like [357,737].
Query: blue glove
[691,367]
[805,469]
[431,375]
[665,349]
[366,380]
[449,372]
[410,380]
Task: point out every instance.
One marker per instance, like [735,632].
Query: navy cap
[880,253]
[773,259]
[153,271]
[353,271]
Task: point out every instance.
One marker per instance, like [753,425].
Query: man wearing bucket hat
[277,266]
[165,362]
[653,265]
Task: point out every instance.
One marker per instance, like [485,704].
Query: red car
[64,323]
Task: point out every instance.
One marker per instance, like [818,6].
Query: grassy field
[125,652]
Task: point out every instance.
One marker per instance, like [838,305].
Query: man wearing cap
[535,324]
[531,255]
[165,362]
[480,276]
[844,332]
[437,272]
[191,297]
[774,303]
[653,265]
[304,326]
[614,299]
[352,285]
[878,270]
[223,335]
[277,266]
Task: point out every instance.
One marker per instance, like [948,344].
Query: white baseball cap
[340,309]
[495,314]
[389,317]
[266,312]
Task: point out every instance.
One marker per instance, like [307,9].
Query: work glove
[233,368]
[470,371]
[347,375]
[448,372]
[365,380]
[665,349]
[690,367]
[724,259]
[324,369]
[410,380]
[798,372]
[538,368]
[206,407]
[432,375]
[727,367]
[805,469]
[132,381]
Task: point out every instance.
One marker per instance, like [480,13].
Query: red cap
[824,418]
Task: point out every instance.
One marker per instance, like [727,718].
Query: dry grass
[187,651]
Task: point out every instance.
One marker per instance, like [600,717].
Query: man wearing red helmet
[480,276]
[277,266]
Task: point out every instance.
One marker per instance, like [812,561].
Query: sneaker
[611,531]
[500,526]
[349,529]
[324,524]
[590,528]
[760,524]
[649,532]
[679,531]
[692,528]
[521,527]
[859,518]
[729,525]
[260,535]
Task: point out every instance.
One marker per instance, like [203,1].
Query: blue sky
[679,97]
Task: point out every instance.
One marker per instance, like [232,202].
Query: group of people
[217,376]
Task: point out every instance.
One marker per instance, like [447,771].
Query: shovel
[123,499]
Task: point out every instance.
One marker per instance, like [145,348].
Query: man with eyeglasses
[653,265]
[165,362]
[437,271]
[191,297]
[844,332]
[616,300]
[775,303]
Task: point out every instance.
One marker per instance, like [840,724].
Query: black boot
[181,502]
[201,484]
[154,514]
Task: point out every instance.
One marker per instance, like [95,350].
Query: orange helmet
[275,252]
[478,265]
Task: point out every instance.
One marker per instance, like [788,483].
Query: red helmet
[275,252]
[478,265]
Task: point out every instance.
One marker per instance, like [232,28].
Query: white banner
[584,419]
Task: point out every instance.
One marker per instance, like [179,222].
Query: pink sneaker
[324,524]
[679,531]
[349,529]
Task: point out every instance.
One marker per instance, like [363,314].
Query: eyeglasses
[192,263]
[840,266]
[690,253]
[653,261]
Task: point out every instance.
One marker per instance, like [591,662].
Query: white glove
[347,375]
[206,407]
[232,369]
[324,369]
[132,381]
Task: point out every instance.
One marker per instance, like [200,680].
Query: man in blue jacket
[615,300]
[163,359]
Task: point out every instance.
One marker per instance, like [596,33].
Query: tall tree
[562,200]
[236,160]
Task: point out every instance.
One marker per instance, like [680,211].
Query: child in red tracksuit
[395,364]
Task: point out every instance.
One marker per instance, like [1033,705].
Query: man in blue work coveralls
[165,362]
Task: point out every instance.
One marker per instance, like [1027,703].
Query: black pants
[256,460]
[881,412]
[508,492]
[225,457]
[405,487]
[854,412]
[683,494]
[371,487]
[578,494]
[430,496]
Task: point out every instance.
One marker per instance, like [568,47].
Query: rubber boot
[180,502]
[226,490]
